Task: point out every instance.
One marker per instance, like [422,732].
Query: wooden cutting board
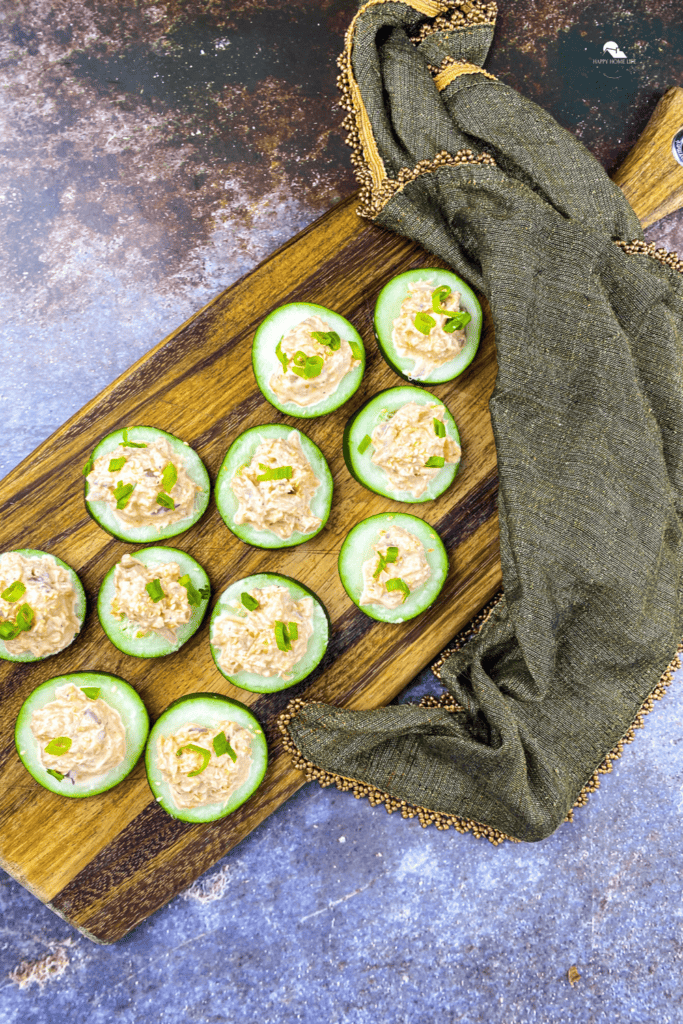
[107,862]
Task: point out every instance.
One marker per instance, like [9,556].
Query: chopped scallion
[282,637]
[329,338]
[457,322]
[59,745]
[385,560]
[439,428]
[194,596]
[250,603]
[439,296]
[194,749]
[169,477]
[221,745]
[55,774]
[122,493]
[281,355]
[130,444]
[356,350]
[13,592]
[424,322]
[435,462]
[165,500]
[116,464]
[398,584]
[154,590]
[274,473]
[307,366]
[365,444]
[293,630]
[92,692]
[87,469]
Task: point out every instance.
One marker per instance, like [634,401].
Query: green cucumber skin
[133,645]
[425,533]
[130,706]
[224,707]
[80,608]
[262,347]
[228,504]
[194,467]
[321,620]
[352,456]
[383,324]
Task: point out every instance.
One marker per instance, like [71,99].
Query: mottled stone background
[151,154]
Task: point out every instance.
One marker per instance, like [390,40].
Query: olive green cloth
[588,421]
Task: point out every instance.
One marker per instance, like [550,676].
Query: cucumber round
[357,548]
[317,644]
[266,363]
[114,691]
[241,453]
[79,609]
[105,517]
[360,464]
[123,635]
[388,307]
[206,709]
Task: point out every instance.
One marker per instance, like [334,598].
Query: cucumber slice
[105,516]
[114,691]
[206,709]
[80,608]
[317,644]
[359,463]
[241,453]
[388,307]
[266,362]
[123,635]
[357,548]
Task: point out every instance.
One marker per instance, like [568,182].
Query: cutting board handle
[650,177]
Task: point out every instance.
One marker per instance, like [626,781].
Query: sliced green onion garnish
[59,745]
[282,637]
[307,366]
[293,630]
[424,322]
[130,444]
[169,477]
[166,500]
[87,469]
[13,592]
[281,355]
[250,603]
[154,590]
[457,322]
[25,618]
[221,745]
[122,493]
[193,595]
[116,464]
[92,692]
[365,444]
[274,473]
[398,584]
[435,462]
[194,749]
[8,631]
[391,555]
[55,774]
[439,296]
[439,428]
[356,349]
[329,338]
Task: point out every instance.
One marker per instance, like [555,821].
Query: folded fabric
[588,421]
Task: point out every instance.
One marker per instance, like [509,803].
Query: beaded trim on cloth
[639,247]
[376,189]
[450,69]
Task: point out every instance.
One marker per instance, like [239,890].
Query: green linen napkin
[588,420]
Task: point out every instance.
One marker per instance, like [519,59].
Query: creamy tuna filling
[397,555]
[92,730]
[143,486]
[279,505]
[406,441]
[49,593]
[134,603]
[303,354]
[253,641]
[218,776]
[432,350]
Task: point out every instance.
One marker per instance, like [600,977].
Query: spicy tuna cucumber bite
[143,485]
[205,757]
[42,605]
[268,632]
[403,444]
[274,489]
[428,325]
[393,566]
[152,601]
[307,359]
[81,734]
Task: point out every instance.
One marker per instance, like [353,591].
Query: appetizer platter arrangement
[177,553]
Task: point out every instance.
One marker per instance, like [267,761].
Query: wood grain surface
[107,862]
